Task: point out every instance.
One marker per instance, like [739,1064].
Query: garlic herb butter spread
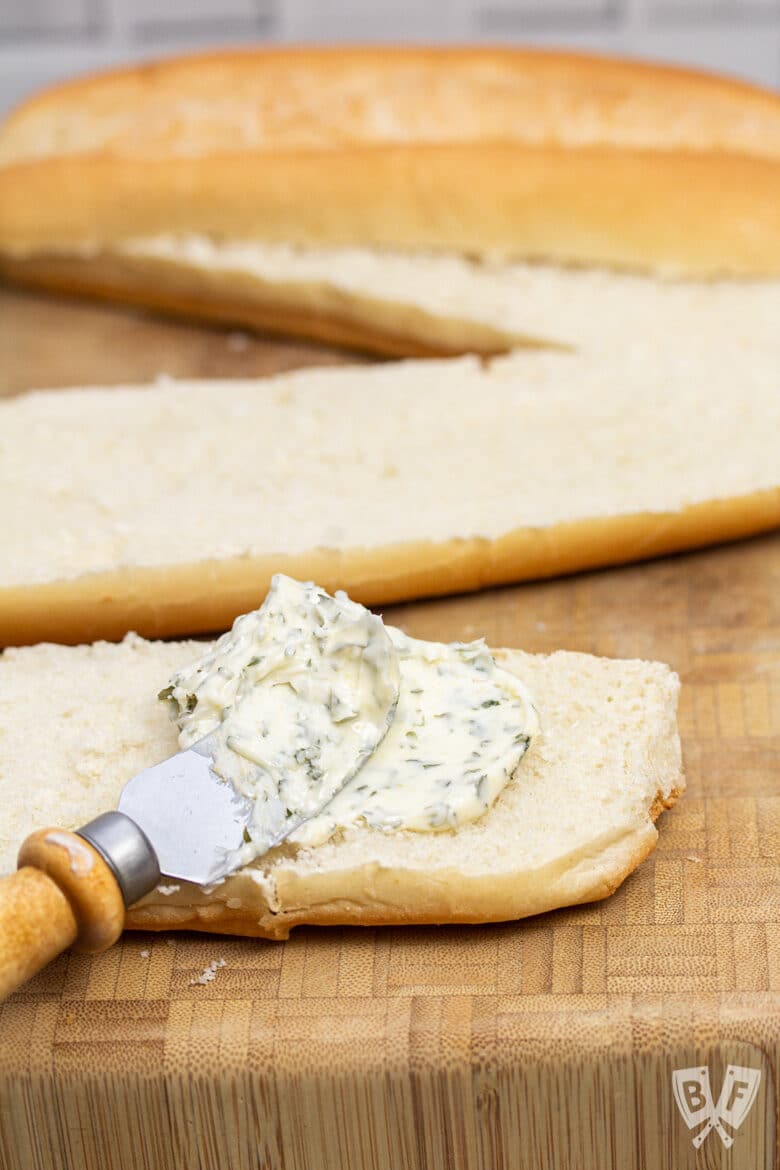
[460,730]
[295,698]
[326,718]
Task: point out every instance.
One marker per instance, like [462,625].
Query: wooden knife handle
[62,894]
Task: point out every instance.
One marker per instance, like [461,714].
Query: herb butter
[460,730]
[293,699]
[324,718]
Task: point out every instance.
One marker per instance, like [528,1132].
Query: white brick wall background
[44,40]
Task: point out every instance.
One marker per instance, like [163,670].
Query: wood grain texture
[47,343]
[548,1043]
[37,923]
[87,881]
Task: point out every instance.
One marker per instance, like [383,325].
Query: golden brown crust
[663,802]
[498,72]
[375,896]
[324,314]
[704,214]
[407,149]
[163,601]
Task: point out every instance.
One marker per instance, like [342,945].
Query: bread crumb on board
[210,973]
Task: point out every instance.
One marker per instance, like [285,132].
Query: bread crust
[166,600]
[317,312]
[513,78]
[702,215]
[407,149]
[372,895]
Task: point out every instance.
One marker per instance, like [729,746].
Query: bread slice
[524,155]
[77,722]
[167,509]
[404,303]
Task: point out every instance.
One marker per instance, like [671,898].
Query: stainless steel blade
[194,819]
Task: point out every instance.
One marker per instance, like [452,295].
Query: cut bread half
[539,155]
[167,509]
[504,155]
[404,304]
[576,818]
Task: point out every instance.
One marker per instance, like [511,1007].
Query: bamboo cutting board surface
[548,1043]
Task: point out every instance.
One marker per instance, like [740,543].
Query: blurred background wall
[43,40]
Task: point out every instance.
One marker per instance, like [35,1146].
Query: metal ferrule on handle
[127,851]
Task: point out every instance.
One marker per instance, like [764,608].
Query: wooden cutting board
[549,1043]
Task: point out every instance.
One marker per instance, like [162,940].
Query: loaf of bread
[166,509]
[239,186]
[575,819]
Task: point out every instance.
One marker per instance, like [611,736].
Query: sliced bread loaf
[577,817]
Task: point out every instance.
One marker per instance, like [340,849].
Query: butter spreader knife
[177,818]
